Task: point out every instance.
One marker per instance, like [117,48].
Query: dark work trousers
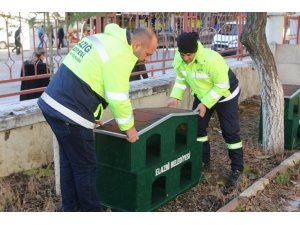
[17,48]
[78,162]
[228,116]
[60,43]
[138,68]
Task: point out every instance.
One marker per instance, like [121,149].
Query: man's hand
[201,108]
[173,102]
[132,135]
[98,123]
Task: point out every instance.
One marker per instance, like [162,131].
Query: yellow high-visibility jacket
[95,73]
[208,76]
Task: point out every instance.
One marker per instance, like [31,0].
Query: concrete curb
[261,183]
[254,188]
[231,206]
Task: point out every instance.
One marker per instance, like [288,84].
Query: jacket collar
[199,57]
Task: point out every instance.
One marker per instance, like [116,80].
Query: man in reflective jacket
[94,75]
[215,87]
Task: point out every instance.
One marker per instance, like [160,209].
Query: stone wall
[287,59]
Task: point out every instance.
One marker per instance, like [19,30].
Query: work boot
[205,166]
[233,178]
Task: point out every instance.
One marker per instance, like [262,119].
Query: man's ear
[136,45]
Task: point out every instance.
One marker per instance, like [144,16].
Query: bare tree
[254,38]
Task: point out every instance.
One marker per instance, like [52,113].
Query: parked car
[166,38]
[226,38]
[3,38]
[206,35]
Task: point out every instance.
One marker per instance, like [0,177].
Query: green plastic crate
[291,132]
[291,117]
[165,162]
[292,107]
[291,101]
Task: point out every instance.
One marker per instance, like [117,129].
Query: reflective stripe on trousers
[228,116]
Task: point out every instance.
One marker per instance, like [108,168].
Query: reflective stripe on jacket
[208,75]
[98,69]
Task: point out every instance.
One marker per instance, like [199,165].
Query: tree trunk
[51,63]
[254,38]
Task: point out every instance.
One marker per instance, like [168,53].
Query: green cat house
[291,117]
[165,162]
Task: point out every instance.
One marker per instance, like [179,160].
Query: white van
[226,38]
[4,35]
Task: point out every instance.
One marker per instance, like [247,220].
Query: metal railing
[218,31]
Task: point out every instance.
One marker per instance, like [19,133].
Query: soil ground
[34,191]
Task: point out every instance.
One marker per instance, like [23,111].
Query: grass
[241,208]
[284,177]
[30,191]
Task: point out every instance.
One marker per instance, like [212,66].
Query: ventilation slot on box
[181,137]
[153,144]
[185,174]
[296,106]
[158,190]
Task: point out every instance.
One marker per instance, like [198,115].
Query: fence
[218,31]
